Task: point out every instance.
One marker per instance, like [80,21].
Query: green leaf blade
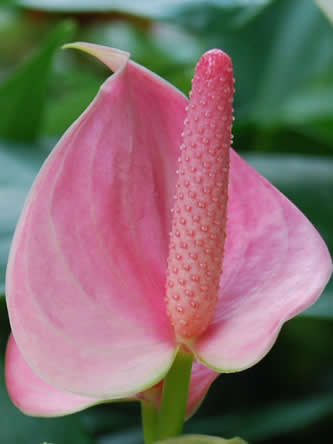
[23,95]
[201,439]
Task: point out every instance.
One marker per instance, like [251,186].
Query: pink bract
[87,270]
[35,397]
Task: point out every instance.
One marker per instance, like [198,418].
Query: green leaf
[201,439]
[196,10]
[308,182]
[292,57]
[263,423]
[128,436]
[276,80]
[22,96]
[320,131]
[286,36]
[311,104]
[16,428]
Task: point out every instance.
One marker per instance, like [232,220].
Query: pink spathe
[87,274]
[35,397]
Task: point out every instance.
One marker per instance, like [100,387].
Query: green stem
[149,421]
[175,392]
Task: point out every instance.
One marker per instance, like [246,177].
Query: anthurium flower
[117,258]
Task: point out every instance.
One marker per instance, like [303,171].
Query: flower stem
[149,421]
[175,391]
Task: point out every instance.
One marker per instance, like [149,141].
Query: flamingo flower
[143,233]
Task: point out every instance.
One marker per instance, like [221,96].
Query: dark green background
[282,52]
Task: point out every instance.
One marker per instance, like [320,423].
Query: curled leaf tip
[200,209]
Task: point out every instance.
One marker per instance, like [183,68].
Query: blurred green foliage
[201,439]
[26,86]
[283,61]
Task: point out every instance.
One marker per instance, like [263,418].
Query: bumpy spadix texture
[200,210]
[86,279]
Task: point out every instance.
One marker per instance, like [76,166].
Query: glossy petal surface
[276,265]
[34,396]
[86,275]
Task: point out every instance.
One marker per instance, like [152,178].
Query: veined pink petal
[86,274]
[276,265]
[34,396]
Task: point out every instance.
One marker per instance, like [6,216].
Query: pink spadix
[200,210]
